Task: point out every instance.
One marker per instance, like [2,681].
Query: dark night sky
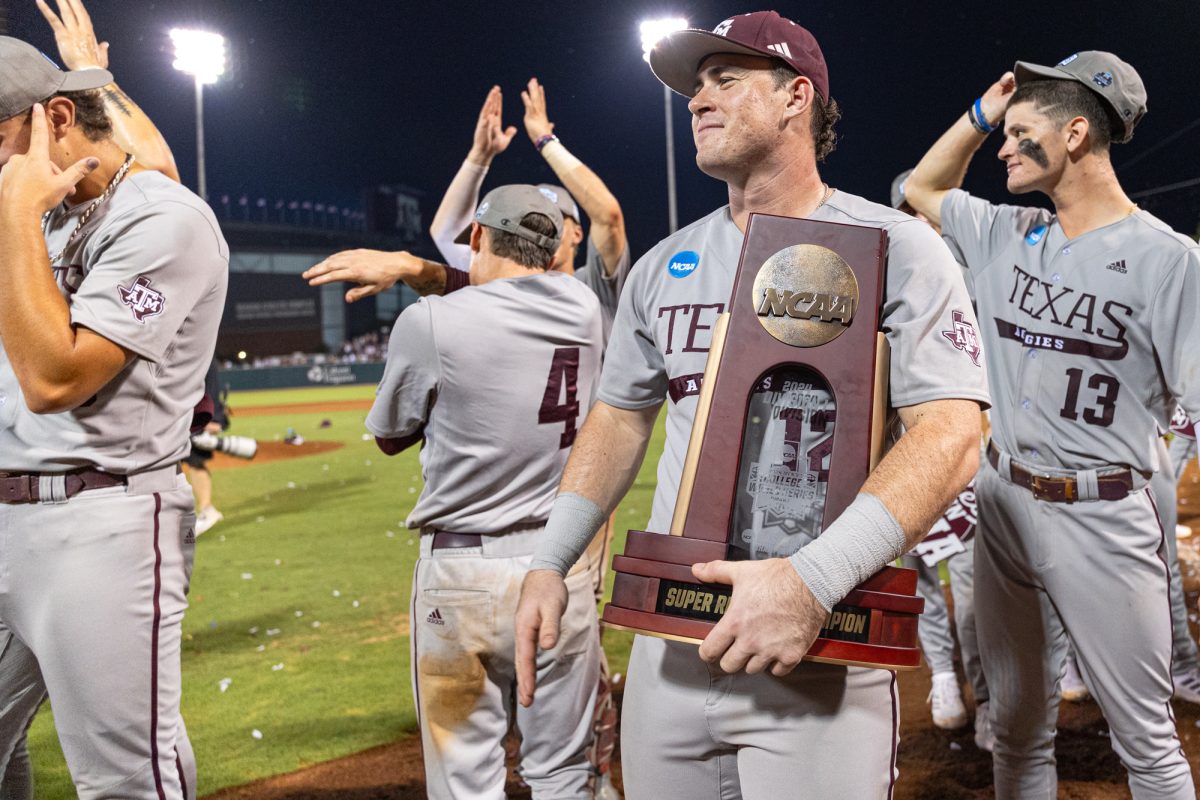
[326,98]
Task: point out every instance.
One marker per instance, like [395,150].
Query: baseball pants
[1095,572]
[937,643]
[92,596]
[464,676]
[692,732]
[1184,653]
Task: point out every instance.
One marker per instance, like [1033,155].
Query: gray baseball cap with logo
[561,198]
[28,76]
[505,207]
[1116,82]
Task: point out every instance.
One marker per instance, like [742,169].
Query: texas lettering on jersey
[1060,309]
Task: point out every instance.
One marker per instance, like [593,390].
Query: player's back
[519,360]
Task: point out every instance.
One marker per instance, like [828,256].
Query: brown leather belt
[16,489]
[1110,486]
[445,540]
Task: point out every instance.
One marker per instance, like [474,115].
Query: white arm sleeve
[455,214]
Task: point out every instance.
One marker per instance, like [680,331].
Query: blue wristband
[981,122]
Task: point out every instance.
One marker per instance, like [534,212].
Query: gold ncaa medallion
[805,295]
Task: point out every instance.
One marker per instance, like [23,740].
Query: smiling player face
[1034,150]
[737,113]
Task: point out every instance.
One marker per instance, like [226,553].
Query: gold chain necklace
[90,210]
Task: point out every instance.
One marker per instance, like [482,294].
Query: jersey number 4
[1106,400]
[564,371]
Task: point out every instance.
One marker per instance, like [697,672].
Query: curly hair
[825,112]
[90,116]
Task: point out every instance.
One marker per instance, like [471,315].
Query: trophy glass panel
[787,448]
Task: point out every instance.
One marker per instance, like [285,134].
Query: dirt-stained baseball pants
[464,677]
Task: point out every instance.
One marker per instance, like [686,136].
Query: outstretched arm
[458,205]
[132,129]
[601,207]
[376,271]
[945,165]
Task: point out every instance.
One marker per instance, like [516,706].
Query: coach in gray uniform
[744,716]
[109,307]
[495,378]
[1091,320]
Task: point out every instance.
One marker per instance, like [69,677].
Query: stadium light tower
[200,54]
[652,31]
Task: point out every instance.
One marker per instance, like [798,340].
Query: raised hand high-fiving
[72,26]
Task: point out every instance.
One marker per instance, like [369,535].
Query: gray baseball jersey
[493,459]
[1088,339]
[99,581]
[149,273]
[1085,337]
[658,352]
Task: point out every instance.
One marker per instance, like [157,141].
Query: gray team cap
[898,198]
[27,76]
[503,208]
[1117,83]
[561,198]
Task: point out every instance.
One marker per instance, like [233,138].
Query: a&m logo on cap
[683,263]
[723,28]
[141,299]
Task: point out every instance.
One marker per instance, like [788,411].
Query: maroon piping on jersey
[158,784]
[1162,549]
[182,779]
[895,738]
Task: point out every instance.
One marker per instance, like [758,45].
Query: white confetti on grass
[254,631]
[336,593]
[224,684]
[355,604]
[247,576]
[272,631]
[277,667]
[256,733]
[299,613]
[316,623]
[260,648]
[366,437]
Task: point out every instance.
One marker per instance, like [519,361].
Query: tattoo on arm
[118,100]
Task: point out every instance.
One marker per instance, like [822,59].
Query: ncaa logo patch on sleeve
[1035,235]
[683,263]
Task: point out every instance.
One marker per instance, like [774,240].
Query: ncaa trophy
[790,421]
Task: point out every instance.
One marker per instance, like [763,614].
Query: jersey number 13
[1105,403]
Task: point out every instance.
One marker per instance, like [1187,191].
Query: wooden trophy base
[655,593]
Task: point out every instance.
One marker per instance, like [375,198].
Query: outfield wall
[241,380]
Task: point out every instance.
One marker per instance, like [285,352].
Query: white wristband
[559,157]
[573,522]
[859,543]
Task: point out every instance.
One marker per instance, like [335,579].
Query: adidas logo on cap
[435,618]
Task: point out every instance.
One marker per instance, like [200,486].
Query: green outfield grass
[299,603]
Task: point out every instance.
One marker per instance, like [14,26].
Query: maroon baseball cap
[677,56]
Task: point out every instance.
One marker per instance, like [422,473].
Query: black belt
[445,540]
[16,489]
[1062,489]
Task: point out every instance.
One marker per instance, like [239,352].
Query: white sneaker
[207,518]
[1187,685]
[985,737]
[1183,532]
[1072,687]
[949,713]
[605,789]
